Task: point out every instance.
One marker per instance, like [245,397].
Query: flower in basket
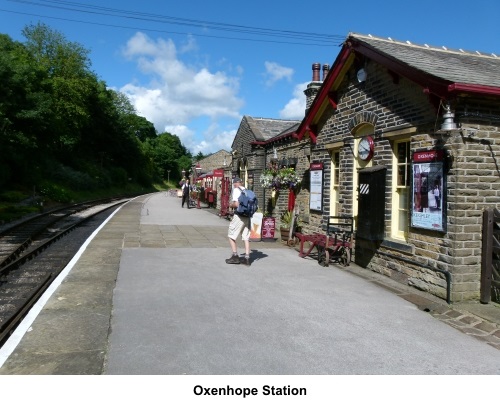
[267,178]
[277,179]
[288,178]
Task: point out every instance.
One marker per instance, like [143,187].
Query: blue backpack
[247,203]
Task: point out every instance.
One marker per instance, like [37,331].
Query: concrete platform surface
[150,293]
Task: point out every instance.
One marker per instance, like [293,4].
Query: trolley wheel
[323,257]
[345,257]
[291,242]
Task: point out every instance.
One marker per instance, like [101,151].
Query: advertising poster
[268,228]
[428,197]
[316,184]
[256,227]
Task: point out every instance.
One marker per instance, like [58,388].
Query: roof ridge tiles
[424,46]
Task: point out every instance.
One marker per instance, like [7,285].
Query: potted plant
[286,223]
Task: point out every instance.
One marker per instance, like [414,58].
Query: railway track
[35,251]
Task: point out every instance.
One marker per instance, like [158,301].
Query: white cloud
[276,72]
[295,108]
[178,93]
[213,138]
[185,134]
[221,138]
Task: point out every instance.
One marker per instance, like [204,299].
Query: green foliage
[286,220]
[75,179]
[60,123]
[11,212]
[13,196]
[199,156]
[167,153]
[118,176]
[56,193]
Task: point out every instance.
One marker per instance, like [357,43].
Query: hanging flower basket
[280,179]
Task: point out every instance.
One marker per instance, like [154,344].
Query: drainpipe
[447,274]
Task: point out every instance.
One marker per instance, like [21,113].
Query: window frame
[335,182]
[396,188]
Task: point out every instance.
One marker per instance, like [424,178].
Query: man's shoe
[233,260]
[245,261]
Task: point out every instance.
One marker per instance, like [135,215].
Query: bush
[118,176]
[13,196]
[11,213]
[73,178]
[56,193]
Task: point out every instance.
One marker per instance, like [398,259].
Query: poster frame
[428,171]
[316,187]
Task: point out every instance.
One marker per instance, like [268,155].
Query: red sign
[268,227]
[219,173]
[428,156]
[316,166]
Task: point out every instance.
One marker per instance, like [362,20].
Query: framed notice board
[316,186]
[429,191]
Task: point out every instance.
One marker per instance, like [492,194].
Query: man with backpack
[240,224]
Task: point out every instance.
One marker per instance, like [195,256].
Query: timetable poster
[316,184]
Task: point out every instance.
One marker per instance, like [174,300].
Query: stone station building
[407,141]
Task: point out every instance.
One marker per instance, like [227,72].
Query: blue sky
[194,68]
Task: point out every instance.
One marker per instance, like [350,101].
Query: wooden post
[486,256]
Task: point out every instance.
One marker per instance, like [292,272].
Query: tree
[167,153]
[135,124]
[68,82]
[24,110]
[199,156]
[57,120]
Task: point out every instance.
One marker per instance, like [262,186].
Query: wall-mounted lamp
[275,153]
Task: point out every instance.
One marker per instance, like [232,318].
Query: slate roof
[442,72]
[456,66]
[267,128]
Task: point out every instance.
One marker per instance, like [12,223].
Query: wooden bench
[333,245]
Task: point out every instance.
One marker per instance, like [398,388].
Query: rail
[22,282]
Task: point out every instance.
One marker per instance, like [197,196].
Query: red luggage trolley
[334,245]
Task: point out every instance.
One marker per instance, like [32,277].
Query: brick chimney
[326,69]
[315,68]
[313,87]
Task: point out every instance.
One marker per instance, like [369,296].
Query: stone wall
[215,161]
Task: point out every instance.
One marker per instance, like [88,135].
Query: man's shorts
[236,226]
